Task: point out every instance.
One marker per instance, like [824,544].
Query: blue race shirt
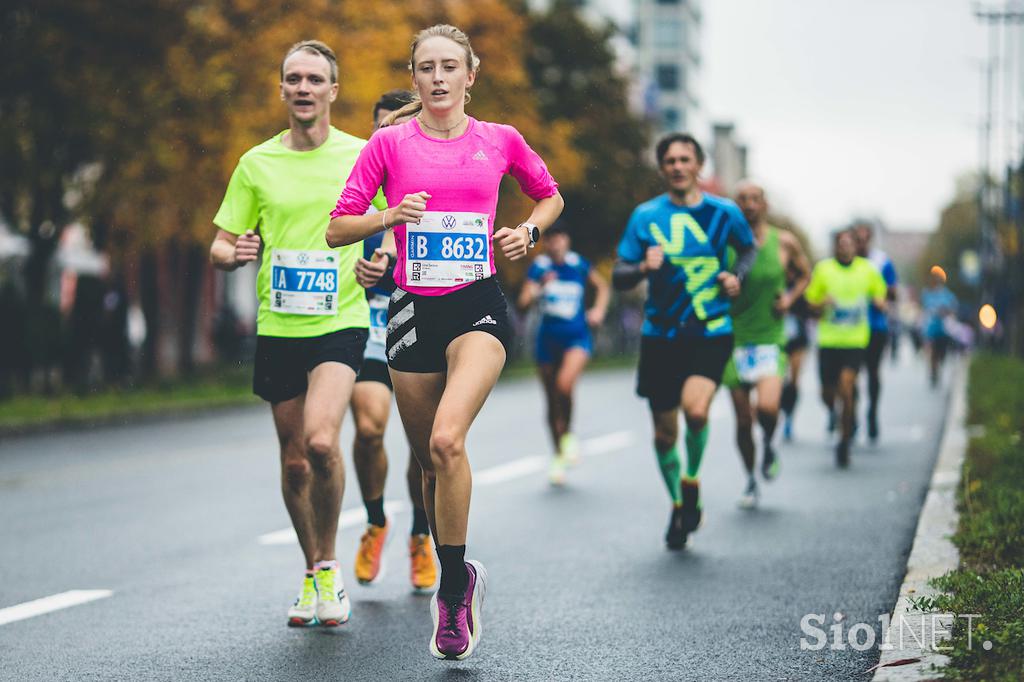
[378,298]
[562,288]
[879,320]
[683,297]
[936,303]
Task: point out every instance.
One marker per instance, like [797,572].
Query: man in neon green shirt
[313,316]
[841,290]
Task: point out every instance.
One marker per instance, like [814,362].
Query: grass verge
[990,580]
[222,388]
[225,387]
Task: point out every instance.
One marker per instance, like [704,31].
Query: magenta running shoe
[457,622]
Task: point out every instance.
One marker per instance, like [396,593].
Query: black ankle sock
[375,512]
[420,525]
[454,577]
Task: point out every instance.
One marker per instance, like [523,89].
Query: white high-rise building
[660,51]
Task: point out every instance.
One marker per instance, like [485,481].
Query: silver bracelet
[383,217]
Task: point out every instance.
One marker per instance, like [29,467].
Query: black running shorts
[876,346]
[375,370]
[421,327]
[832,361]
[666,364]
[282,364]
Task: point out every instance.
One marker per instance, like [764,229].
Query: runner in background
[842,289]
[797,342]
[878,320]
[938,304]
[758,360]
[677,242]
[371,407]
[558,278]
[312,322]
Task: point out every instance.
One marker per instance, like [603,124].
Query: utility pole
[991,258]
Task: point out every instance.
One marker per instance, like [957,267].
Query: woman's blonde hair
[439,31]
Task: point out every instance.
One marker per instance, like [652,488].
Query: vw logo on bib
[448,222]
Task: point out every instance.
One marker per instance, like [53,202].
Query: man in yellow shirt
[313,316]
[841,290]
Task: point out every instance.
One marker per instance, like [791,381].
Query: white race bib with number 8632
[447,249]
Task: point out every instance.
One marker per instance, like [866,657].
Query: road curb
[911,632]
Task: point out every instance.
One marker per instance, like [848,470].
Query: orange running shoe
[370,558]
[421,557]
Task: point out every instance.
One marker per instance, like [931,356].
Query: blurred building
[659,48]
[728,157]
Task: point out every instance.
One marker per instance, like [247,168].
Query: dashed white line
[517,468]
[350,518]
[55,602]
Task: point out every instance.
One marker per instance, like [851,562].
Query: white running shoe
[333,607]
[751,495]
[303,611]
[556,472]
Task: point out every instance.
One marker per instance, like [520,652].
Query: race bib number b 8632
[447,249]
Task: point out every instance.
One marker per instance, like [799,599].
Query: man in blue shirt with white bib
[677,241]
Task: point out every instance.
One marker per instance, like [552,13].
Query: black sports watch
[533,231]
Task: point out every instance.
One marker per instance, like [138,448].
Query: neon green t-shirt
[844,323]
[305,288]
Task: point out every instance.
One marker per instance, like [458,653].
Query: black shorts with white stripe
[421,327]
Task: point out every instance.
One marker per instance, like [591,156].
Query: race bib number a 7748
[304,282]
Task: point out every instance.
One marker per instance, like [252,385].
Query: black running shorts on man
[375,370]
[282,365]
[666,364]
[832,361]
[421,327]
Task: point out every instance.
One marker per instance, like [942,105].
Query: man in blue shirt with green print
[677,241]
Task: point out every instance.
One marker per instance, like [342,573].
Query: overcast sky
[849,106]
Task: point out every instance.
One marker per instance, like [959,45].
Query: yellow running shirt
[305,288]
[851,288]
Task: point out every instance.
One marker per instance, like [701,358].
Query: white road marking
[510,470]
[517,468]
[350,518]
[55,602]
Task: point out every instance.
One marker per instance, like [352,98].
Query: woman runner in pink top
[448,328]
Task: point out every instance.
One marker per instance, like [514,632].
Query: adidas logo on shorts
[480,156]
[487,319]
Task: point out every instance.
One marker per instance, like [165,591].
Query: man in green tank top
[758,359]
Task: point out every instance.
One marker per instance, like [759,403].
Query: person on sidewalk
[558,278]
[758,360]
[677,242]
[312,322]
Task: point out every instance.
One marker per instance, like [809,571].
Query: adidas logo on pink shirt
[480,156]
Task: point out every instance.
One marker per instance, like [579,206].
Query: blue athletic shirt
[683,297]
[378,298]
[879,320]
[561,302]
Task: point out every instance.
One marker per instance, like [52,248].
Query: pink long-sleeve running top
[451,246]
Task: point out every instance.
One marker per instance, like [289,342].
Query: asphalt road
[184,526]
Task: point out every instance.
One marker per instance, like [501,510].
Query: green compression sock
[670,466]
[695,444]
